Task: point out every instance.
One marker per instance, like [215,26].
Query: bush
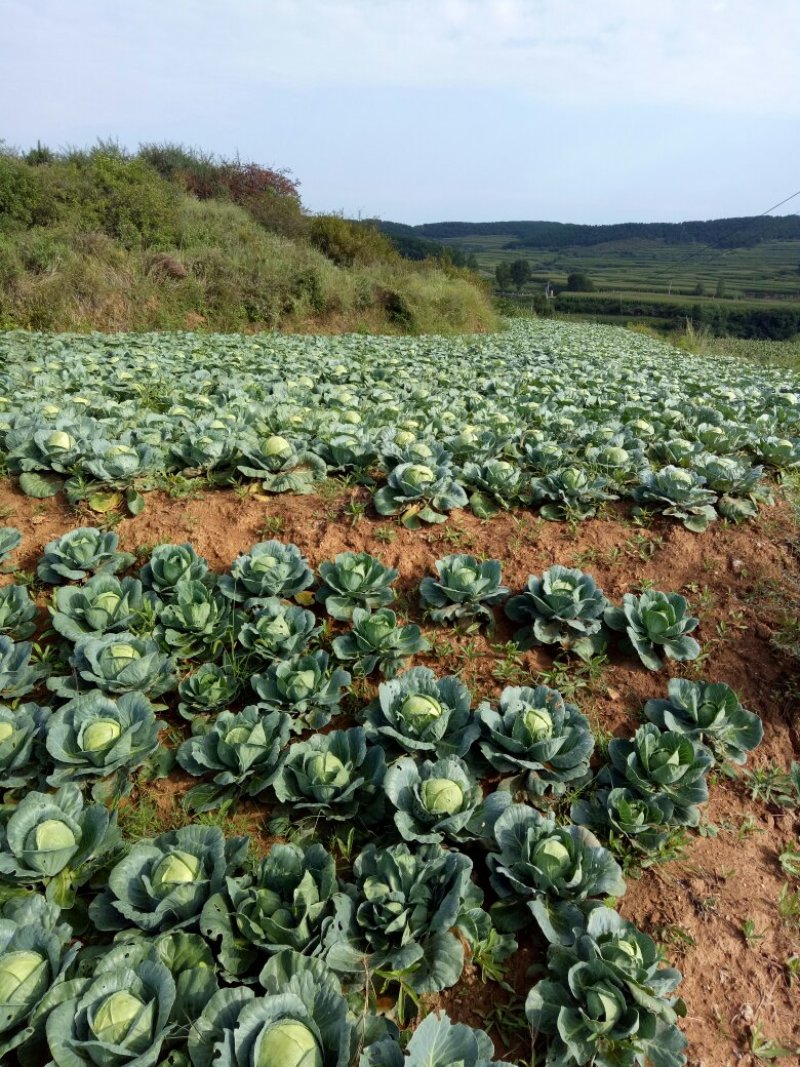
[347,242]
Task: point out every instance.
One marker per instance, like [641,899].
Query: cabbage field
[420,772]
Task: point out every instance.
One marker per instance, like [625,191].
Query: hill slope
[170,238]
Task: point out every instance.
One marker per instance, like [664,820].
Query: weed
[355,510]
[674,934]
[789,860]
[773,785]
[789,906]
[272,526]
[766,1048]
[750,933]
[642,546]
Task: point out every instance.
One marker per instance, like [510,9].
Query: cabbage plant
[661,763]
[281,466]
[655,624]
[288,902]
[436,1042]
[626,819]
[278,630]
[678,493]
[399,915]
[572,494]
[95,737]
[198,621]
[189,961]
[711,713]
[564,607]
[433,801]
[104,604]
[740,486]
[496,484]
[269,569]
[35,959]
[542,865]
[119,1018]
[466,588]
[22,734]
[118,663]
[17,612]
[18,676]
[52,839]
[420,493]
[162,884]
[171,565]
[536,732]
[211,688]
[242,751]
[354,580]
[303,686]
[333,776]
[79,553]
[422,715]
[606,999]
[377,642]
[302,1020]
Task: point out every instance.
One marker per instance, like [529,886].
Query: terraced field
[364,695]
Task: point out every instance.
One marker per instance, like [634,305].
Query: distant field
[769,269]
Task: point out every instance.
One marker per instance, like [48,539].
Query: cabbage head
[354,580]
[288,902]
[162,884]
[117,1019]
[303,686]
[333,776]
[422,715]
[302,1021]
[79,553]
[655,624]
[95,737]
[537,732]
[241,752]
[269,569]
[53,839]
[710,713]
[540,864]
[377,642]
[466,588]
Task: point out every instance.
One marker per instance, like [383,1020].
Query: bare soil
[743,584]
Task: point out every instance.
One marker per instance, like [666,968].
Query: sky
[588,111]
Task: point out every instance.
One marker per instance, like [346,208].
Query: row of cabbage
[564,418]
[193,952]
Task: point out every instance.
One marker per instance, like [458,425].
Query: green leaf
[40,486]
[134,501]
[483,507]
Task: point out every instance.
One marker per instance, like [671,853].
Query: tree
[720,290]
[502,274]
[699,290]
[521,273]
[578,282]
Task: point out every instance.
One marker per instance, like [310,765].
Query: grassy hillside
[169,238]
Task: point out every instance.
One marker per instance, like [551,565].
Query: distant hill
[742,232]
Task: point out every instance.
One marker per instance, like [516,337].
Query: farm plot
[286,772]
